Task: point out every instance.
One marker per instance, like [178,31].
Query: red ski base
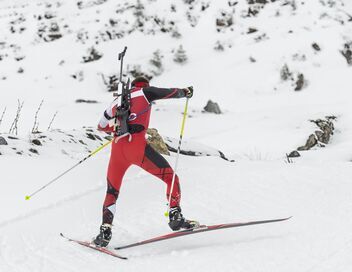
[200,229]
[90,245]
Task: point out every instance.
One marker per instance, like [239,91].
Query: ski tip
[284,219]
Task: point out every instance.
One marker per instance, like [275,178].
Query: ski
[90,245]
[202,228]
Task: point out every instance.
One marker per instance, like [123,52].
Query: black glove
[188,91]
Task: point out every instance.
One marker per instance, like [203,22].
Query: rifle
[122,111]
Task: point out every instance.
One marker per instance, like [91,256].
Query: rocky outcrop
[194,149]
[320,137]
[156,141]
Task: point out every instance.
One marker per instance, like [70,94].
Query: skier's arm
[154,93]
[107,121]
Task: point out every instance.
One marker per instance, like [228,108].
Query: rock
[34,151]
[83,143]
[252,30]
[3,141]
[157,142]
[327,130]
[90,136]
[225,20]
[36,142]
[312,141]
[253,60]
[316,47]
[108,138]
[347,53]
[93,55]
[300,82]
[98,137]
[294,154]
[212,107]
[86,101]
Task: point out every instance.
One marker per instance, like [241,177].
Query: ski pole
[28,197]
[177,156]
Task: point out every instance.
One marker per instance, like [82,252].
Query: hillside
[281,74]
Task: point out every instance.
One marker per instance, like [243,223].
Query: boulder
[212,107]
[36,142]
[3,141]
[156,141]
[294,154]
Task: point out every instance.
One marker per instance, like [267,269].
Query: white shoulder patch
[137,93]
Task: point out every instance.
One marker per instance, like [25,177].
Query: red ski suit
[133,149]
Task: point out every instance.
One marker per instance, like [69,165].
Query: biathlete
[132,148]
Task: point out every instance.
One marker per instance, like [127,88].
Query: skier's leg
[116,171]
[158,166]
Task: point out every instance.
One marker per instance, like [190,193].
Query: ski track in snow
[65,201]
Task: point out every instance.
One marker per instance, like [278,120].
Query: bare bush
[36,123]
[14,128]
[2,116]
[52,120]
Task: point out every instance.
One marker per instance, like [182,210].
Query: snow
[263,119]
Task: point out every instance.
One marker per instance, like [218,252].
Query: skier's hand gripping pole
[178,155]
[28,197]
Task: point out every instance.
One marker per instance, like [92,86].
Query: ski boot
[177,221]
[104,237]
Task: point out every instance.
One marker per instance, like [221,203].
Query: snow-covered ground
[263,119]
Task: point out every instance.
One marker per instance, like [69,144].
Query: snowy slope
[263,119]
